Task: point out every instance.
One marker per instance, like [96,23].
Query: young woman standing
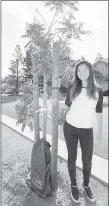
[84,97]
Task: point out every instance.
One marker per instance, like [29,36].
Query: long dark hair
[92,86]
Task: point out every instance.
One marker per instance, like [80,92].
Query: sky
[93,13]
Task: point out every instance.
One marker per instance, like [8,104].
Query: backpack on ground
[40,177]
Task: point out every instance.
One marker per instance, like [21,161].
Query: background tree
[28,70]
[15,78]
[98,76]
[4,85]
[27,67]
[83,58]
[98,57]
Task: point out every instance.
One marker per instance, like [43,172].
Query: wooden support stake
[55,96]
[35,99]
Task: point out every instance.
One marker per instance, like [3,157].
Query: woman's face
[83,72]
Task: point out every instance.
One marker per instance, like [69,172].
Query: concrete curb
[99,165]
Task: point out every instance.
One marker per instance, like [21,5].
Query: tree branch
[42,17]
[56,12]
[57,20]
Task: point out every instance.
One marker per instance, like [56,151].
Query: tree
[98,76]
[65,25]
[28,70]
[4,85]
[14,79]
[36,37]
[83,58]
[64,21]
[27,67]
[40,37]
[98,57]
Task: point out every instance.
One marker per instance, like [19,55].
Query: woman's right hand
[62,114]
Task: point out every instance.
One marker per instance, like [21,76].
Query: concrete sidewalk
[16,156]
[99,165]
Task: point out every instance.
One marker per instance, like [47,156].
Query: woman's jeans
[85,136]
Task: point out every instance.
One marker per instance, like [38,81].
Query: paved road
[102,150]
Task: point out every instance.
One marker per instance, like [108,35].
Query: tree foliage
[99,57]
[65,21]
[40,39]
[24,107]
[61,5]
[98,76]
[14,79]
[27,67]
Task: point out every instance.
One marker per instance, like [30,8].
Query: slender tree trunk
[55,96]
[35,100]
[45,94]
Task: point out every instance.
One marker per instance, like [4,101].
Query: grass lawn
[9,98]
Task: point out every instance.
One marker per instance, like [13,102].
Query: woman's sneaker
[89,193]
[75,194]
